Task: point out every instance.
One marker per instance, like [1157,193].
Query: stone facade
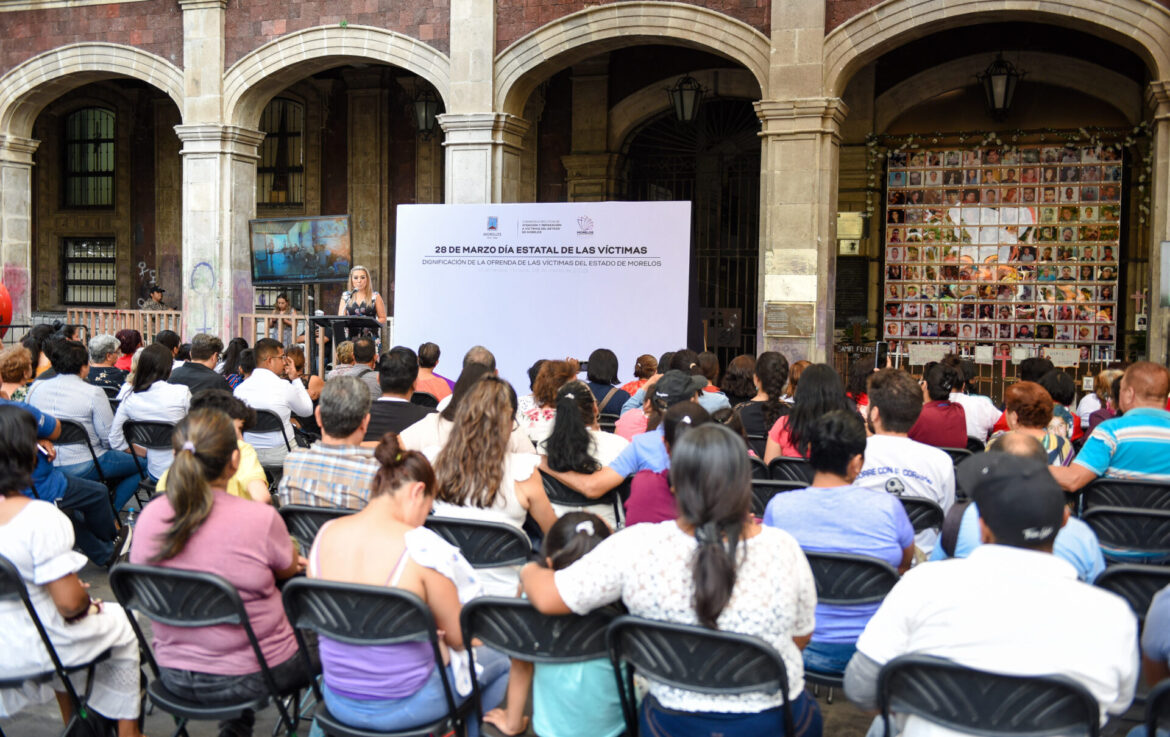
[541,101]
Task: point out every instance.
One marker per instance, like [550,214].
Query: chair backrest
[924,514]
[845,579]
[111,391]
[269,421]
[758,443]
[980,703]
[958,455]
[515,628]
[150,435]
[607,421]
[791,469]
[424,399]
[975,445]
[559,493]
[114,404]
[1158,707]
[1103,492]
[304,522]
[176,597]
[764,489]
[356,613]
[1137,584]
[483,544]
[1123,528]
[73,433]
[759,468]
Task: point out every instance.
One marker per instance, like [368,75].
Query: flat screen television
[300,250]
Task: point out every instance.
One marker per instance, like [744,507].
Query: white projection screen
[534,281]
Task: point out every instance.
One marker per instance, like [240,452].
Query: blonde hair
[368,293]
[1103,385]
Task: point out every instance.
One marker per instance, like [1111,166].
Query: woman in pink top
[198,526]
[820,391]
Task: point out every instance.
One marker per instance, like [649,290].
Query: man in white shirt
[1005,609]
[275,386]
[979,410]
[894,462]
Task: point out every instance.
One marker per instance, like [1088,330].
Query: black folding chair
[958,455]
[111,391]
[369,615]
[847,580]
[693,658]
[424,399]
[484,544]
[759,468]
[764,489]
[560,493]
[1104,492]
[1158,707]
[1137,584]
[976,702]
[304,522]
[83,722]
[924,514]
[269,421]
[975,445]
[114,404]
[151,436]
[1136,532]
[791,469]
[515,628]
[607,421]
[758,443]
[193,599]
[73,433]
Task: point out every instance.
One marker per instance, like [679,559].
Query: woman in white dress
[38,540]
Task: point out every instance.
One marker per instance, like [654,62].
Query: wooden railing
[109,322]
[256,325]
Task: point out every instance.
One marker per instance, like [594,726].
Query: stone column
[484,156]
[369,155]
[16,162]
[1158,100]
[591,172]
[219,197]
[798,201]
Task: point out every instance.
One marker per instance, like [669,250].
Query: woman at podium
[360,300]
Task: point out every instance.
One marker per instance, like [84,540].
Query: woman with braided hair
[761,411]
[715,567]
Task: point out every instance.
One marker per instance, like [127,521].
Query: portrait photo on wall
[999,246]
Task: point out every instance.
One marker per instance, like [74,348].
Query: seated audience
[479,479]
[578,444]
[428,381]
[198,373]
[151,399]
[575,699]
[602,378]
[103,354]
[173,343]
[980,412]
[528,401]
[633,421]
[1076,542]
[708,367]
[1131,446]
[342,360]
[198,526]
[644,367]
[274,386]
[365,365]
[1111,408]
[714,567]
[481,356]
[738,383]
[1030,369]
[335,471]
[651,498]
[538,421]
[229,366]
[959,611]
[395,687]
[67,396]
[819,392]
[893,462]
[393,411]
[859,373]
[1063,390]
[430,434]
[942,423]
[1097,399]
[1155,649]
[37,539]
[1028,408]
[834,516]
[313,385]
[686,361]
[794,373]
[249,481]
[129,341]
[15,372]
[761,411]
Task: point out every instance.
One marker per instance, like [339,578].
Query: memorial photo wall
[1009,248]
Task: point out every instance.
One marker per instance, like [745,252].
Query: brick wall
[155,26]
[839,11]
[253,23]
[515,18]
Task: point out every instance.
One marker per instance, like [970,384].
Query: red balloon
[5,309]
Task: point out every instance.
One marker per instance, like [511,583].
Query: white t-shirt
[1008,610]
[980,412]
[908,468]
[1090,403]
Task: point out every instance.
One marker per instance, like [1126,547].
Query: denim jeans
[654,720]
[212,688]
[116,466]
[87,504]
[425,705]
[828,657]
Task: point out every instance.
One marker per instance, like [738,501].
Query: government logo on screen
[493,222]
[584,225]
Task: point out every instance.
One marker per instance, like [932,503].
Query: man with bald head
[1134,445]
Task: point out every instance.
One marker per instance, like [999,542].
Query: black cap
[155,288]
[677,386]
[1018,498]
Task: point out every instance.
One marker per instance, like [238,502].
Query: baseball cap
[155,288]
[1018,498]
[677,386]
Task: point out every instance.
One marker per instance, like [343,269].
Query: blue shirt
[1156,631]
[576,700]
[1133,446]
[646,452]
[845,519]
[1075,542]
[48,481]
[710,401]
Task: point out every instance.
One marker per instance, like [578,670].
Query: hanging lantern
[685,98]
[999,82]
[426,107]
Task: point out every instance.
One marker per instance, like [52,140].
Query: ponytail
[400,467]
[569,444]
[711,479]
[772,371]
[203,443]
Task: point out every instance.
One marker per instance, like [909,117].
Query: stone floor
[841,719]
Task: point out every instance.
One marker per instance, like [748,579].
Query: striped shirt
[328,476]
[1133,446]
